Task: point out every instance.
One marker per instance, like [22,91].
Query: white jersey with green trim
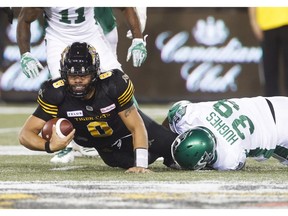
[68,25]
[72,22]
[243,127]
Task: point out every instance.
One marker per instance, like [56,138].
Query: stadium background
[193,53]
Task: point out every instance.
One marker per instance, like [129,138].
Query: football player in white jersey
[64,26]
[222,134]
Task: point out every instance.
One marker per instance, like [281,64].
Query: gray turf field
[29,181]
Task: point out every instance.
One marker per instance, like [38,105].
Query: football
[63,128]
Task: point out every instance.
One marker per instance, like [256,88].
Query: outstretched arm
[135,125]
[133,21]
[142,16]
[26,17]
[137,49]
[29,63]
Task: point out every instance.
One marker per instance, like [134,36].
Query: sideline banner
[197,54]
[193,53]
[14,85]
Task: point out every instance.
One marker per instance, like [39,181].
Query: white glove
[30,65]
[138,51]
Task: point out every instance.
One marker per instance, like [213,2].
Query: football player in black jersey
[101,109]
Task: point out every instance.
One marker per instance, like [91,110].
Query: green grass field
[32,169]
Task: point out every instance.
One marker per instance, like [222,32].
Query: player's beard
[78,88]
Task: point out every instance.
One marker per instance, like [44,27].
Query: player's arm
[29,136]
[135,125]
[133,21]
[137,49]
[48,98]
[29,63]
[123,93]
[142,16]
[26,16]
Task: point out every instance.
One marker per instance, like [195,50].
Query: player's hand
[138,170]
[57,143]
[138,51]
[30,65]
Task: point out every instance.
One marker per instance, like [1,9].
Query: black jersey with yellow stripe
[96,120]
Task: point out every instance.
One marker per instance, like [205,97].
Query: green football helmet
[176,113]
[194,149]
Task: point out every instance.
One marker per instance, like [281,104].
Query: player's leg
[280,105]
[112,38]
[160,140]
[281,154]
[121,153]
[108,60]
[270,48]
[284,45]
[117,158]
[54,48]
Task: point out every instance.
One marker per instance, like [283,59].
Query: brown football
[63,128]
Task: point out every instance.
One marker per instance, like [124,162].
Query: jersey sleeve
[125,95]
[50,95]
[121,89]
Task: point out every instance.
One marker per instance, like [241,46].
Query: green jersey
[105,18]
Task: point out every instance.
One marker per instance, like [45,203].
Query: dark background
[157,81]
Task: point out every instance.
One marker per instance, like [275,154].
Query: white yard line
[146,194]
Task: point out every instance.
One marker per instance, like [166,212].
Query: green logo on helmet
[175,114]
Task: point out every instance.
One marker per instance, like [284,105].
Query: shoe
[64,156]
[80,151]
[88,152]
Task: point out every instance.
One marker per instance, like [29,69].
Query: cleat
[64,156]
[80,151]
[88,152]
[77,153]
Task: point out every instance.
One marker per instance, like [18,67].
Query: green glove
[138,51]
[30,65]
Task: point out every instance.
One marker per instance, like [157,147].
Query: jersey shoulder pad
[105,75]
[52,91]
[120,76]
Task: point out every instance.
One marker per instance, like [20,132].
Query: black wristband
[47,147]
